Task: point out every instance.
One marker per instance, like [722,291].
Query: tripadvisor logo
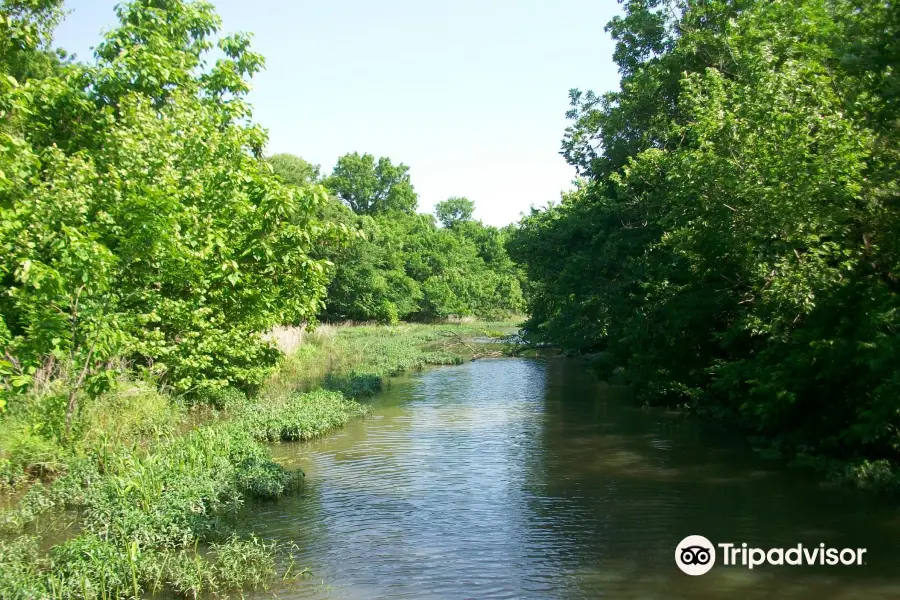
[696,555]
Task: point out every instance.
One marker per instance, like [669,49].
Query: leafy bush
[354,384]
[19,563]
[130,411]
[303,417]
[24,452]
[227,399]
[879,475]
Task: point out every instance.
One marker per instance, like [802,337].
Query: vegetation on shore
[143,232]
[356,360]
[731,246]
[149,503]
[152,513]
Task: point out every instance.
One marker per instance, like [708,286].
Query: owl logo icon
[695,555]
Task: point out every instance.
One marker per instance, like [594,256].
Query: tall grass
[355,359]
[144,509]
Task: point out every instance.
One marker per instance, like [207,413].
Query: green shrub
[25,452]
[20,562]
[878,475]
[353,384]
[264,479]
[130,412]
[228,399]
[242,563]
[303,417]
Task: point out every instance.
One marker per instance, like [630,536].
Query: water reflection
[528,479]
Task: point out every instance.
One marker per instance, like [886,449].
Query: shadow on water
[518,478]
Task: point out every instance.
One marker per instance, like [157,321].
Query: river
[527,478]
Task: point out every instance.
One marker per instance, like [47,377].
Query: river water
[527,478]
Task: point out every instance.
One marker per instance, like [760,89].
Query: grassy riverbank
[139,496]
[355,360]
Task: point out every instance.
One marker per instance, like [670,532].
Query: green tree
[136,218]
[26,32]
[402,266]
[294,170]
[372,187]
[369,277]
[453,211]
[732,244]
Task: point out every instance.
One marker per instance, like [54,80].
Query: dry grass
[460,320]
[287,338]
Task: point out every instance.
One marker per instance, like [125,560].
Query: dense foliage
[454,210]
[294,170]
[733,242]
[400,264]
[137,218]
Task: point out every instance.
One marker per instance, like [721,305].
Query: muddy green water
[518,478]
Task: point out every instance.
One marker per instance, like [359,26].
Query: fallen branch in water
[497,354]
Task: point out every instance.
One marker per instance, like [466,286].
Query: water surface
[523,478]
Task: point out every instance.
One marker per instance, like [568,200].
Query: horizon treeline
[733,244]
[400,264]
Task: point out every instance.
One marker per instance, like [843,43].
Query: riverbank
[137,498]
[878,476]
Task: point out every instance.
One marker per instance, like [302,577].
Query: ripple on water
[527,479]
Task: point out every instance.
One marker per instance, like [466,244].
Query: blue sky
[471,95]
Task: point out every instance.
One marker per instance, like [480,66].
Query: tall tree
[136,219]
[26,31]
[294,170]
[733,244]
[453,211]
[371,187]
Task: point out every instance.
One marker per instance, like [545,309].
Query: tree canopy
[400,265]
[371,187]
[732,245]
[453,211]
[136,217]
[294,170]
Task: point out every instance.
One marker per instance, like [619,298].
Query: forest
[399,264]
[732,244]
[730,247]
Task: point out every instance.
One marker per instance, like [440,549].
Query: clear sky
[470,94]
